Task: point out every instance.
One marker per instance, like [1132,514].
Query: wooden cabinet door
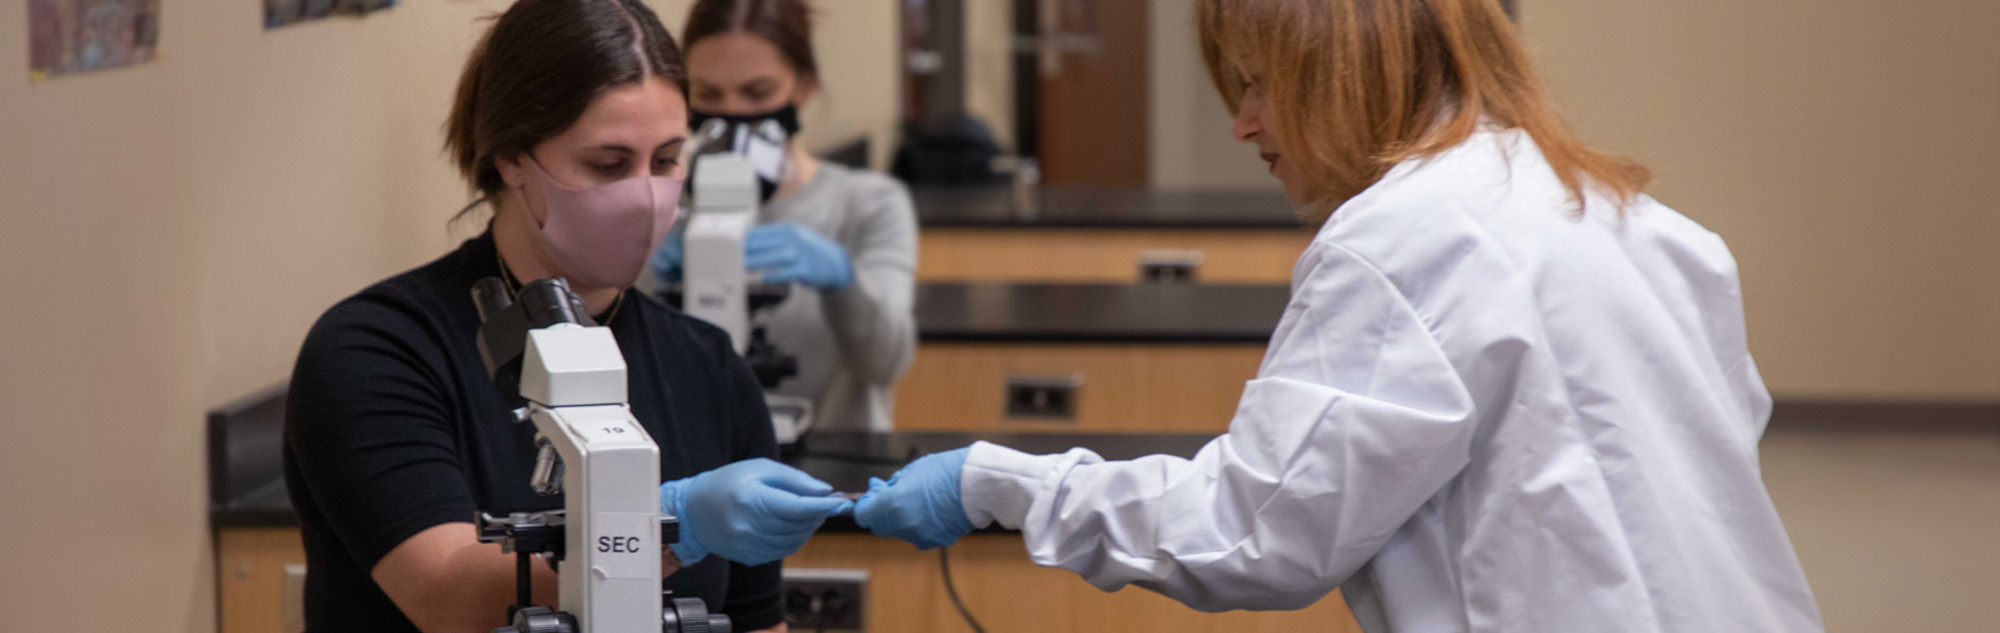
[251,574]
[1093,97]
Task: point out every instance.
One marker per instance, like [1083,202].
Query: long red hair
[1358,86]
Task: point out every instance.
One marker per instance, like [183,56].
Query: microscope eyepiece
[549,301]
[491,295]
[506,316]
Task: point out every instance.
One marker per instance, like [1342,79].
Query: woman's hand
[751,512]
[666,262]
[788,252]
[919,504]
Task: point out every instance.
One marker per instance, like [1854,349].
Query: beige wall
[989,66]
[1895,530]
[172,231]
[178,226]
[1193,147]
[1845,149]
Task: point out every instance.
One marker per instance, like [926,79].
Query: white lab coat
[1479,412]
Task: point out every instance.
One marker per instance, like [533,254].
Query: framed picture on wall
[280,13]
[73,36]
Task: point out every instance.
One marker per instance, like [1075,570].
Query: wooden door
[1092,92]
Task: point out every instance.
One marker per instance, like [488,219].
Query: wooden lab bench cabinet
[1088,358]
[250,577]
[1005,590]
[1099,234]
[1095,255]
[1111,388]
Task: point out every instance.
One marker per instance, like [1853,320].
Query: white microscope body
[608,538]
[716,287]
[574,379]
[725,209]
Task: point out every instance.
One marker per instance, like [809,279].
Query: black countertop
[1118,313]
[844,459]
[992,206]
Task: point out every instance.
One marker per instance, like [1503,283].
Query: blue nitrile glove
[787,252]
[666,261]
[751,512]
[919,504]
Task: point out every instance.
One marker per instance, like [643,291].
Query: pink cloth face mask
[601,236]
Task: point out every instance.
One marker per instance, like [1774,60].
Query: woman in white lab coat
[1510,393]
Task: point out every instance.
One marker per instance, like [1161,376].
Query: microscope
[715,287]
[607,538]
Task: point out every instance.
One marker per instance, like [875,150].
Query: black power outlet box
[830,600]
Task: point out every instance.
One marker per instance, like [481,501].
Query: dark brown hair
[539,67]
[1361,85]
[786,24]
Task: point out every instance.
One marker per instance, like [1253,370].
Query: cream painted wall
[856,41]
[317,168]
[1193,146]
[1894,529]
[99,359]
[172,231]
[989,66]
[179,225]
[1846,150]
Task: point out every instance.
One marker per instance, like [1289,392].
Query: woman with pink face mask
[569,123]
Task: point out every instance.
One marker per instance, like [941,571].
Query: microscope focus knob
[540,620]
[690,615]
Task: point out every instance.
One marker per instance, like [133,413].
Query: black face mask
[758,137]
[787,118]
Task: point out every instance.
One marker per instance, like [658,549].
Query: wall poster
[280,13]
[73,36]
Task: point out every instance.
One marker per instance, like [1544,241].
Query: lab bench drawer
[1112,388]
[1008,592]
[1104,255]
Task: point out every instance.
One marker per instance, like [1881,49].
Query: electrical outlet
[829,600]
[1169,265]
[1043,398]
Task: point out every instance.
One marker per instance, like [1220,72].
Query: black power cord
[944,564]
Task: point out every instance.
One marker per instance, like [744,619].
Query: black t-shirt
[393,427]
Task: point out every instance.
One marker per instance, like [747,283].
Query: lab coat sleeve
[1356,419]
[874,319]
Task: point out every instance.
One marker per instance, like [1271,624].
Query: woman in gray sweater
[850,236]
